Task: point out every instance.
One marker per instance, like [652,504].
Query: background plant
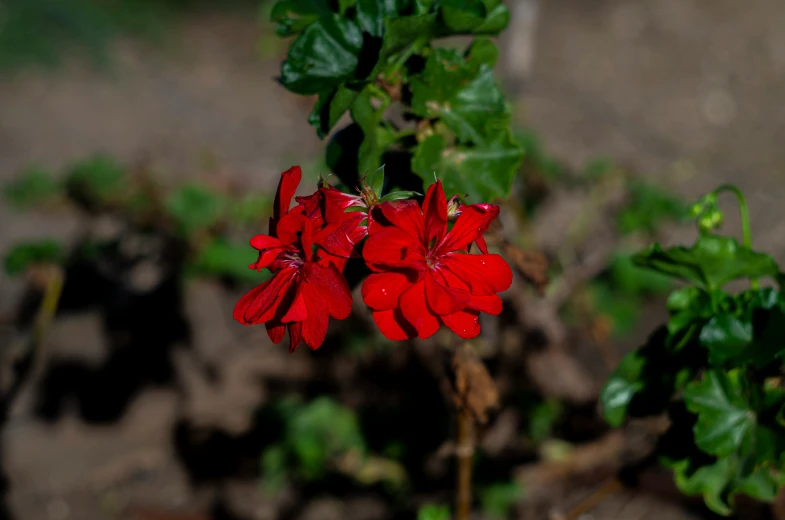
[715,367]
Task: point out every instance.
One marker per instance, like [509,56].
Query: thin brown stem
[464,452]
[609,487]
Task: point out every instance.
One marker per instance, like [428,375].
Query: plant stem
[465,454]
[746,230]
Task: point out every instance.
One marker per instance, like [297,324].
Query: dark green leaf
[726,336]
[462,16]
[376,180]
[33,186]
[98,178]
[711,262]
[324,56]
[484,171]
[34,252]
[622,386]
[293,16]
[330,107]
[498,499]
[403,32]
[376,138]
[727,405]
[400,195]
[371,15]
[496,18]
[633,279]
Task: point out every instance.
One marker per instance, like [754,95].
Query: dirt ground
[688,92]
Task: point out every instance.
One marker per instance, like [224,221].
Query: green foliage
[542,418]
[201,215]
[25,254]
[320,437]
[715,368]
[434,512]
[498,499]
[33,186]
[367,56]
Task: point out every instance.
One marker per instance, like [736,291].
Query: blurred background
[141,141]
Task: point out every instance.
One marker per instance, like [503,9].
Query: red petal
[315,327]
[292,230]
[329,287]
[470,225]
[275,331]
[465,324]
[485,274]
[297,311]
[341,239]
[393,325]
[417,313]
[290,179]
[488,304]
[336,202]
[266,258]
[382,291]
[263,242]
[441,299]
[435,209]
[295,335]
[260,303]
[405,215]
[482,245]
[391,247]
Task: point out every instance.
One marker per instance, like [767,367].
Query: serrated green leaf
[484,171]
[711,262]
[195,207]
[33,186]
[23,254]
[727,406]
[330,107]
[323,56]
[464,94]
[726,336]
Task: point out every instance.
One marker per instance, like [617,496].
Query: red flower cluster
[422,273]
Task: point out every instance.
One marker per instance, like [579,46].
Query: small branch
[587,504]
[464,452]
[51,277]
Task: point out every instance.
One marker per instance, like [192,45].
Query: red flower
[306,252]
[424,275]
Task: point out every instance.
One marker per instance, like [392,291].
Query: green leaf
[711,262]
[320,431]
[323,56]
[293,16]
[498,499]
[633,279]
[33,186]
[274,470]
[648,208]
[195,207]
[24,254]
[622,386]
[376,138]
[251,209]
[433,512]
[726,336]
[496,19]
[485,171]
[403,32]
[98,178]
[400,195]
[463,93]
[727,405]
[371,15]
[223,258]
[463,16]
[330,107]
[376,180]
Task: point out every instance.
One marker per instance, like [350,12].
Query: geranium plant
[715,367]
